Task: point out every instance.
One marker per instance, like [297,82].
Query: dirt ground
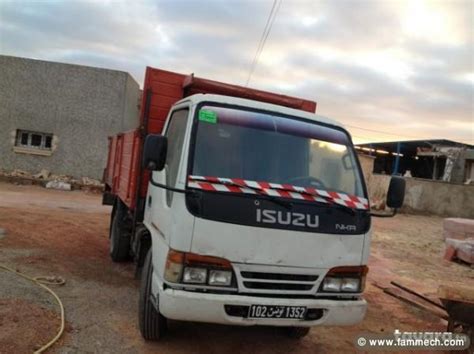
[66,234]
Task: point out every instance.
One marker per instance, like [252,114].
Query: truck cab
[245,212]
[258,215]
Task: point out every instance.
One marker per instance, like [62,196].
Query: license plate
[267,311]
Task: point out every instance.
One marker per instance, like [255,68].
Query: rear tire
[153,325]
[119,233]
[297,332]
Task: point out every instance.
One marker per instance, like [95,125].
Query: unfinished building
[57,116]
[440,159]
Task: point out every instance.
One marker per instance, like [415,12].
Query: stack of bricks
[459,237]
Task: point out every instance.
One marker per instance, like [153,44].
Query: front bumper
[204,307]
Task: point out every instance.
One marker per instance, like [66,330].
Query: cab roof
[198,98]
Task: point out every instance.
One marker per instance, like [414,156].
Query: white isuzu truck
[250,213]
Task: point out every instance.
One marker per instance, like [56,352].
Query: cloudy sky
[389,70]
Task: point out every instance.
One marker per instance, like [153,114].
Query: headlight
[220,277]
[190,268]
[346,279]
[331,284]
[195,275]
[350,285]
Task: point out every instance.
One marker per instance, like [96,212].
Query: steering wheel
[307,181]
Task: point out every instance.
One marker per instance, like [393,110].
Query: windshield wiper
[286,204]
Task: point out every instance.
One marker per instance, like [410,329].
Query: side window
[175,133]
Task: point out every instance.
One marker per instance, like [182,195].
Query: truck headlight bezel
[346,279]
[350,285]
[194,275]
[219,277]
[331,284]
[181,265]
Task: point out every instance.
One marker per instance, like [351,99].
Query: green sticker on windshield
[208,116]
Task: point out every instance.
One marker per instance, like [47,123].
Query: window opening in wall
[34,140]
[24,139]
[48,142]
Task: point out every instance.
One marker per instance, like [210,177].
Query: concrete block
[59,185]
[450,253]
[458,228]
[454,235]
[465,252]
[460,249]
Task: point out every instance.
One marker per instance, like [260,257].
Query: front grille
[272,282]
[278,276]
[277,286]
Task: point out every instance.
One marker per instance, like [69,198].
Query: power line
[257,53]
[266,31]
[379,131]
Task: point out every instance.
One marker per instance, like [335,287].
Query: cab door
[164,208]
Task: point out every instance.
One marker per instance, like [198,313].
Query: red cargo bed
[123,175]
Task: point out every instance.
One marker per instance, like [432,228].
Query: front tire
[153,325]
[119,233]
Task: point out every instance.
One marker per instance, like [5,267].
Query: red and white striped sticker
[220,184]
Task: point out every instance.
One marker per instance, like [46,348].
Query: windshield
[260,146]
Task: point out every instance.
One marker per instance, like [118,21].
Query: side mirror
[396,192]
[154,152]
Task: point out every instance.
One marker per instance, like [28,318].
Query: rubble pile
[459,239]
[44,174]
[62,182]
[90,181]
[58,185]
[17,173]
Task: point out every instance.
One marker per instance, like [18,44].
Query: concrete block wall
[81,106]
[367,165]
[430,197]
